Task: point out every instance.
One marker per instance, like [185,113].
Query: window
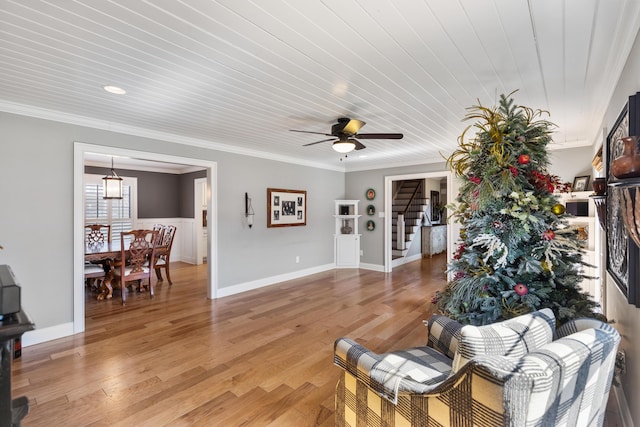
[120,214]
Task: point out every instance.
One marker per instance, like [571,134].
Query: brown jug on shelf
[628,164]
[600,186]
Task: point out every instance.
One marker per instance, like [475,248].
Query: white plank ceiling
[237,75]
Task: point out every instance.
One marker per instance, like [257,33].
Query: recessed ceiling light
[114,89]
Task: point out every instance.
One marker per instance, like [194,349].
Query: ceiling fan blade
[353,126]
[306,131]
[318,142]
[359,145]
[380,135]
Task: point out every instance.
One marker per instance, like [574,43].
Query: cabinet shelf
[586,221]
[346,237]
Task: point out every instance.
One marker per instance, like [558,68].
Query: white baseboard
[38,336]
[623,406]
[412,258]
[399,261]
[188,260]
[267,281]
[374,267]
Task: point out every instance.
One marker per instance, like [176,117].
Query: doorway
[80,150]
[452,229]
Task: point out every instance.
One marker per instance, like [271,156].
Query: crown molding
[74,119]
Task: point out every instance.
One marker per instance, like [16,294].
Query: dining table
[106,253]
[100,252]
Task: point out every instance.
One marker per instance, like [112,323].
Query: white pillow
[514,337]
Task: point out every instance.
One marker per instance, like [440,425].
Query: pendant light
[112,185]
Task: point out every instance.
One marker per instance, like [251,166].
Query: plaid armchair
[513,373]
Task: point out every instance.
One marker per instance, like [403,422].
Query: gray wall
[160,195]
[36,219]
[572,162]
[627,317]
[187,185]
[357,183]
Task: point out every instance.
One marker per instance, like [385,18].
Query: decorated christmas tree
[517,253]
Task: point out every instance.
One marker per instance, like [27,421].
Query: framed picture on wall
[435,203]
[622,254]
[286,208]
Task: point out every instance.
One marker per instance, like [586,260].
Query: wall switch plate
[297,259]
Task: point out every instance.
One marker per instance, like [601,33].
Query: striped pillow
[514,337]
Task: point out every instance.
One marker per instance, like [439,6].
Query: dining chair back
[163,253]
[138,259]
[96,233]
[160,229]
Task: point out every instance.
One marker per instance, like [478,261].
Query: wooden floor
[258,358]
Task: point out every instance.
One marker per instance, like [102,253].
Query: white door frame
[79,150]
[388,200]
[197,209]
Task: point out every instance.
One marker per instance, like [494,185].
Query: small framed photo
[580,183]
[370,194]
[286,208]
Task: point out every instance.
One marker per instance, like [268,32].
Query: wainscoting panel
[183,248]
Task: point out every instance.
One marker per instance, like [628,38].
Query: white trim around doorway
[79,151]
[388,200]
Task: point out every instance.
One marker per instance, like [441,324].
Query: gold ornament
[558,209]
[546,266]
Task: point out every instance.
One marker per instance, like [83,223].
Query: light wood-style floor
[259,358]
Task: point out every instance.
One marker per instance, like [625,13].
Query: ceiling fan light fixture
[344,146]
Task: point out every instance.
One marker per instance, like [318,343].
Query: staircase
[408,207]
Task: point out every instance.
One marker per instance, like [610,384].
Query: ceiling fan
[346,130]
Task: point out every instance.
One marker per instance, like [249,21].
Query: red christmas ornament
[521,289]
[514,170]
[548,235]
[524,159]
[475,179]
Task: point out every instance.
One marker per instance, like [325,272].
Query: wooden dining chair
[163,253]
[97,234]
[160,229]
[138,259]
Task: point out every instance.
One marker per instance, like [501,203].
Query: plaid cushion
[514,337]
[565,382]
[443,334]
[415,370]
[577,325]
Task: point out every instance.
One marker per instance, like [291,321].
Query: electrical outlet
[361,252]
[297,259]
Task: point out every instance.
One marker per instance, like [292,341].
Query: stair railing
[400,224]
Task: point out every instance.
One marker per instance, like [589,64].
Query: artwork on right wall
[623,255]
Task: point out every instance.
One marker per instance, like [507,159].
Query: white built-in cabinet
[346,237]
[586,224]
[434,240]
